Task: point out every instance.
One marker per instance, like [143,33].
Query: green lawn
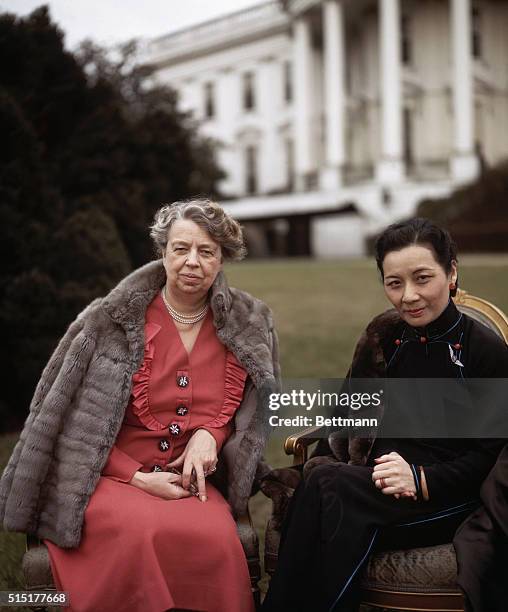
[320,308]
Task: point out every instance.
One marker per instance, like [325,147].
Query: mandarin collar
[446,322]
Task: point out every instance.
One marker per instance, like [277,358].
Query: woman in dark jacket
[342,508]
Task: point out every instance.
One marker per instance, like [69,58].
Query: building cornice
[297,7]
[238,28]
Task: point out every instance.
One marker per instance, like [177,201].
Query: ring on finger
[382,481]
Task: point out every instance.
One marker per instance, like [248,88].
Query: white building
[338,116]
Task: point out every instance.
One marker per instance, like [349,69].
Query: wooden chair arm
[250,543]
[32,541]
[298,444]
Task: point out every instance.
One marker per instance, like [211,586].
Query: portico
[336,117]
[389,166]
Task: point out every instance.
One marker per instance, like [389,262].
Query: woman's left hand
[199,455]
[394,476]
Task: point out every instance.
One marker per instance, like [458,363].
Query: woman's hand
[160,484]
[394,476]
[199,455]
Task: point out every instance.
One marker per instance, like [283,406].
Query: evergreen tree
[89,152]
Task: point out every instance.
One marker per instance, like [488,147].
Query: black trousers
[336,519]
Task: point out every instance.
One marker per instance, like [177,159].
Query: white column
[271,176]
[229,154]
[464,165]
[390,167]
[335,94]
[302,67]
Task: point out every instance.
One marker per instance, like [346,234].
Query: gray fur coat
[80,401]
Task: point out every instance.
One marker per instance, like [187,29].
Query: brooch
[454,358]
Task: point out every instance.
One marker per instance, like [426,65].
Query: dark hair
[417,231]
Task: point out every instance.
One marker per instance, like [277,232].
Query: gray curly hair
[223,229]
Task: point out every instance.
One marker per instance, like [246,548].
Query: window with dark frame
[209,100]
[251,173]
[249,98]
[290,164]
[288,82]
[406,49]
[407,125]
[476,32]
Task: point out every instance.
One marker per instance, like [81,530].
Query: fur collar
[126,304]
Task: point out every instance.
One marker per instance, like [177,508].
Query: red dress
[141,553]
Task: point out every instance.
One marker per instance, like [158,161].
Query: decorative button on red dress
[142,553]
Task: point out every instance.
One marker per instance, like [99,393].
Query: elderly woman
[362,491]
[129,418]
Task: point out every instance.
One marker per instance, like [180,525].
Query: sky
[112,21]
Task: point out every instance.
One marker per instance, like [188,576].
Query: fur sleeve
[275,356]
[19,488]
[368,362]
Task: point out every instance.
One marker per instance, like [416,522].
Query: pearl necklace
[183,318]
